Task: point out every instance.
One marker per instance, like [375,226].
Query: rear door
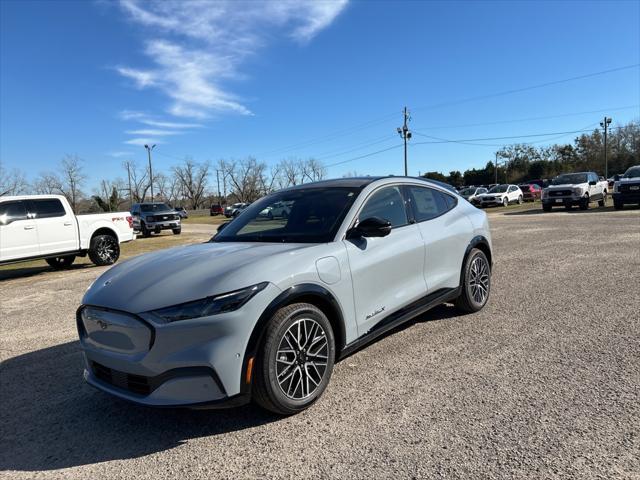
[18,232]
[57,227]
[386,272]
[445,231]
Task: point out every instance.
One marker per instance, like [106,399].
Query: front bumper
[195,363]
[561,201]
[632,196]
[488,203]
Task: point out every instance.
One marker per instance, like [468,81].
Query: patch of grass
[206,219]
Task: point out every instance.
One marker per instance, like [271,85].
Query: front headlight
[616,187]
[226,302]
[578,191]
[544,193]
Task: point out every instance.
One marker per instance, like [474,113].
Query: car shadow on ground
[51,419]
[574,210]
[32,271]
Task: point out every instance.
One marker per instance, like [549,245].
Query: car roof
[10,198]
[361,182]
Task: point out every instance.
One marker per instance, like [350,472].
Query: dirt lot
[543,383]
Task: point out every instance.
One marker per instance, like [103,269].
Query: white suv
[500,195]
[266,307]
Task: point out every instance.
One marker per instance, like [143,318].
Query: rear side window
[388,204]
[48,208]
[430,203]
[12,211]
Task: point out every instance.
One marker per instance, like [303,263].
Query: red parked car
[216,209]
[531,192]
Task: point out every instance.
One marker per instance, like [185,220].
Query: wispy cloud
[143,141]
[153,132]
[198,46]
[119,154]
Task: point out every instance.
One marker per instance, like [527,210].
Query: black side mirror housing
[616,177]
[592,182]
[371,227]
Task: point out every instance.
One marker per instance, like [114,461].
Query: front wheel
[144,230]
[61,262]
[177,231]
[617,204]
[505,202]
[295,360]
[104,250]
[584,203]
[476,282]
[546,207]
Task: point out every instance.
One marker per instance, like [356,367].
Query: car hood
[490,194]
[178,275]
[564,186]
[629,180]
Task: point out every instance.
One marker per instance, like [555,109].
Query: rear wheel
[296,359]
[61,262]
[104,250]
[476,282]
[520,200]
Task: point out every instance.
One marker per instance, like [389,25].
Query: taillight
[130,221]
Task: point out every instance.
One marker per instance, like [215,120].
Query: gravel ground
[543,383]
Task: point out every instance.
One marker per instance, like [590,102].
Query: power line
[364,156]
[524,89]
[546,117]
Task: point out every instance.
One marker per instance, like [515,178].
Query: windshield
[308,215]
[570,179]
[633,172]
[155,207]
[524,188]
[499,189]
[467,191]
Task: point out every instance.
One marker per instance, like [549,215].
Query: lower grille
[560,193]
[133,383]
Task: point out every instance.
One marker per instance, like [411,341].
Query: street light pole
[605,124]
[150,170]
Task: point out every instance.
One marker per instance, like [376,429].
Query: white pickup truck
[44,227]
[571,189]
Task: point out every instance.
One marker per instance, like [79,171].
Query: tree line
[190,184]
[523,161]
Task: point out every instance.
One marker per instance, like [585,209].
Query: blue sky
[299,79]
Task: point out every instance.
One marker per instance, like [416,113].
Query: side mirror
[371,227]
[616,177]
[592,182]
[222,227]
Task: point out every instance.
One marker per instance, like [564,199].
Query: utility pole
[150,171]
[406,135]
[129,178]
[605,124]
[218,180]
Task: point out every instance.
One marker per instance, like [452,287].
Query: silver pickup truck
[155,217]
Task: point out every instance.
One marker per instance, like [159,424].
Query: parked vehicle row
[44,227]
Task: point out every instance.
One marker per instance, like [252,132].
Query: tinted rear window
[48,208]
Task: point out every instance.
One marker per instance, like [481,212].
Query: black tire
[176,231]
[267,391]
[603,202]
[146,233]
[505,202]
[104,250]
[584,203]
[60,263]
[476,266]
[618,205]
[520,200]
[546,207]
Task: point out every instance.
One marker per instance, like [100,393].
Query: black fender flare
[306,292]
[483,243]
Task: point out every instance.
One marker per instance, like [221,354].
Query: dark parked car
[216,209]
[531,192]
[155,217]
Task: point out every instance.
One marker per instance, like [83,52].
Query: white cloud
[199,45]
[119,154]
[143,141]
[152,132]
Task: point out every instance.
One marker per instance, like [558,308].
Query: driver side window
[388,204]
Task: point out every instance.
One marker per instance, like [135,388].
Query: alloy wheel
[479,280]
[301,359]
[106,249]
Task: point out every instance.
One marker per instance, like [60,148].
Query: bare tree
[246,178]
[139,180]
[47,183]
[193,178]
[314,170]
[71,179]
[12,182]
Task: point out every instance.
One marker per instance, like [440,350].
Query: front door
[386,272]
[18,232]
